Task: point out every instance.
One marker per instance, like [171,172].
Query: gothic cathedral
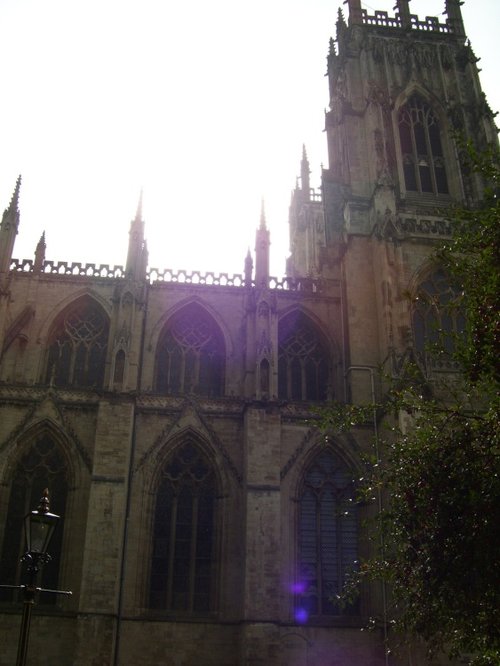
[207,521]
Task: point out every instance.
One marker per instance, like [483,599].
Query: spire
[455,20]
[9,228]
[262,243]
[403,9]
[248,269]
[138,215]
[14,202]
[263,224]
[355,12]
[304,175]
[137,249]
[40,254]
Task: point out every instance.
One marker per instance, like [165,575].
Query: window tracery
[327,548]
[422,152]
[437,319]
[191,355]
[303,364]
[77,352]
[42,466]
[183,553]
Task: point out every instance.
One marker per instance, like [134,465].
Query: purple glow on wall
[298,588]
[301,615]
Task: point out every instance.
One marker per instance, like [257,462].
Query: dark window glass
[78,343]
[422,153]
[327,538]
[420,142]
[42,466]
[191,355]
[182,566]
[119,366]
[405,136]
[264,377]
[303,362]
[410,176]
[437,320]
[441,182]
[435,140]
[425,178]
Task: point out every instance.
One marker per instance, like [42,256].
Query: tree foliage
[472,259]
[441,465]
[441,527]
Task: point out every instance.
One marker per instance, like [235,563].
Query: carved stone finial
[12,212]
[44,504]
[355,12]
[8,229]
[403,9]
[138,215]
[263,224]
[304,174]
[40,253]
[14,202]
[248,269]
[455,20]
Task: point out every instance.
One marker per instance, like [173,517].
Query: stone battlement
[167,276]
[382,19]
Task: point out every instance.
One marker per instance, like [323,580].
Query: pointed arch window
[422,152]
[184,535]
[437,319]
[78,344]
[42,466]
[328,537]
[303,363]
[191,355]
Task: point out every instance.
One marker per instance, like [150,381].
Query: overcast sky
[203,105]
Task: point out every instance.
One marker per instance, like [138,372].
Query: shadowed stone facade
[207,521]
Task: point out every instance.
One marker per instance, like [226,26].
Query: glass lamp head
[39,526]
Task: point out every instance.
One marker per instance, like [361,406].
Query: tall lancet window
[78,345]
[327,549]
[183,556]
[191,355]
[41,466]
[438,320]
[303,362]
[422,152]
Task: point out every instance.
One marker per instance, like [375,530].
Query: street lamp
[39,526]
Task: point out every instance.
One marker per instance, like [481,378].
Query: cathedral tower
[404,93]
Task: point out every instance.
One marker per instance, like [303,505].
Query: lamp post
[39,526]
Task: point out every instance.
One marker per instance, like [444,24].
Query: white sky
[203,104]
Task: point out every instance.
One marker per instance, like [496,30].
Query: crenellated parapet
[383,20]
[156,276]
[210,278]
[74,268]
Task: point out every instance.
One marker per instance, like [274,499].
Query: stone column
[104,537]
[262,586]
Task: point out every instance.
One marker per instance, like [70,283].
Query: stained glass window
[182,564]
[191,355]
[422,152]
[78,344]
[327,537]
[438,319]
[303,364]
